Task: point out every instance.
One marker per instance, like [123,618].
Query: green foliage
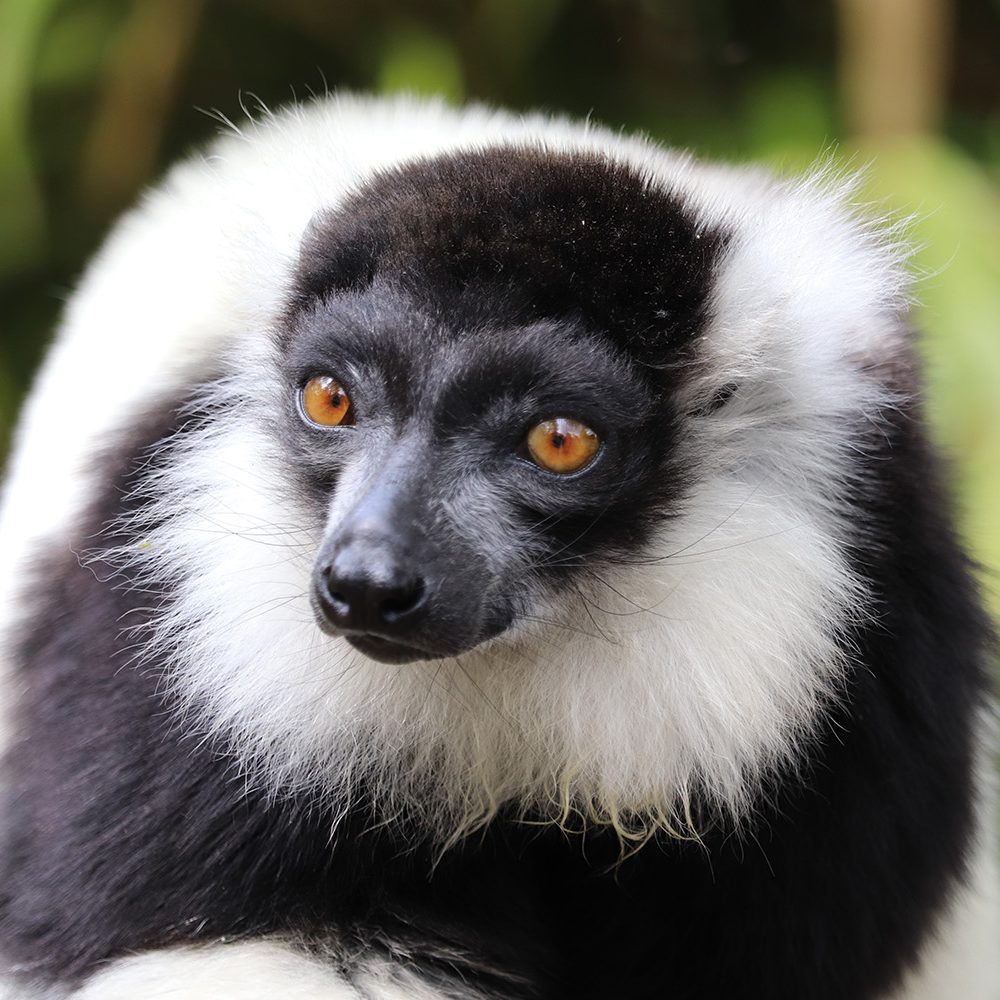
[419,61]
[22,221]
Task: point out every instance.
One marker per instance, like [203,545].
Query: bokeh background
[97,96]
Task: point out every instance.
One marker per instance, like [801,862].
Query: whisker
[711,531]
[557,624]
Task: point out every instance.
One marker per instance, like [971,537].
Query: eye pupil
[558,440]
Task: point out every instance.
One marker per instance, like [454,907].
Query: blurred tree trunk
[139,87]
[894,61]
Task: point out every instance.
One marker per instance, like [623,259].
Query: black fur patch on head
[518,235]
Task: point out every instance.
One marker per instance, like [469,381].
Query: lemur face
[470,396]
[475,470]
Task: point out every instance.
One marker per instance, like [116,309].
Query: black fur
[124,833]
[508,237]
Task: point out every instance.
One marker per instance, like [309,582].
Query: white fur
[257,970]
[962,957]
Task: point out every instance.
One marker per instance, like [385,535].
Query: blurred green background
[97,96]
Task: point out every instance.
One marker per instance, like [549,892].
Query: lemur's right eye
[325,403]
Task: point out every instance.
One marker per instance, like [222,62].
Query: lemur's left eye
[562,445]
[324,402]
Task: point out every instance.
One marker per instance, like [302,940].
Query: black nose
[362,590]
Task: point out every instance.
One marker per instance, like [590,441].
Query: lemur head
[485,356]
[533,490]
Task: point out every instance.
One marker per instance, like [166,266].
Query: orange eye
[562,445]
[325,403]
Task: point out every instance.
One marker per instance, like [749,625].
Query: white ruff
[713,685]
[698,669]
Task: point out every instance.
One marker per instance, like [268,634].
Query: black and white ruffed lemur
[450,554]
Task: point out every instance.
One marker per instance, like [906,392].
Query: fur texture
[746,633]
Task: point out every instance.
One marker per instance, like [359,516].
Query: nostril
[334,596]
[403,600]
